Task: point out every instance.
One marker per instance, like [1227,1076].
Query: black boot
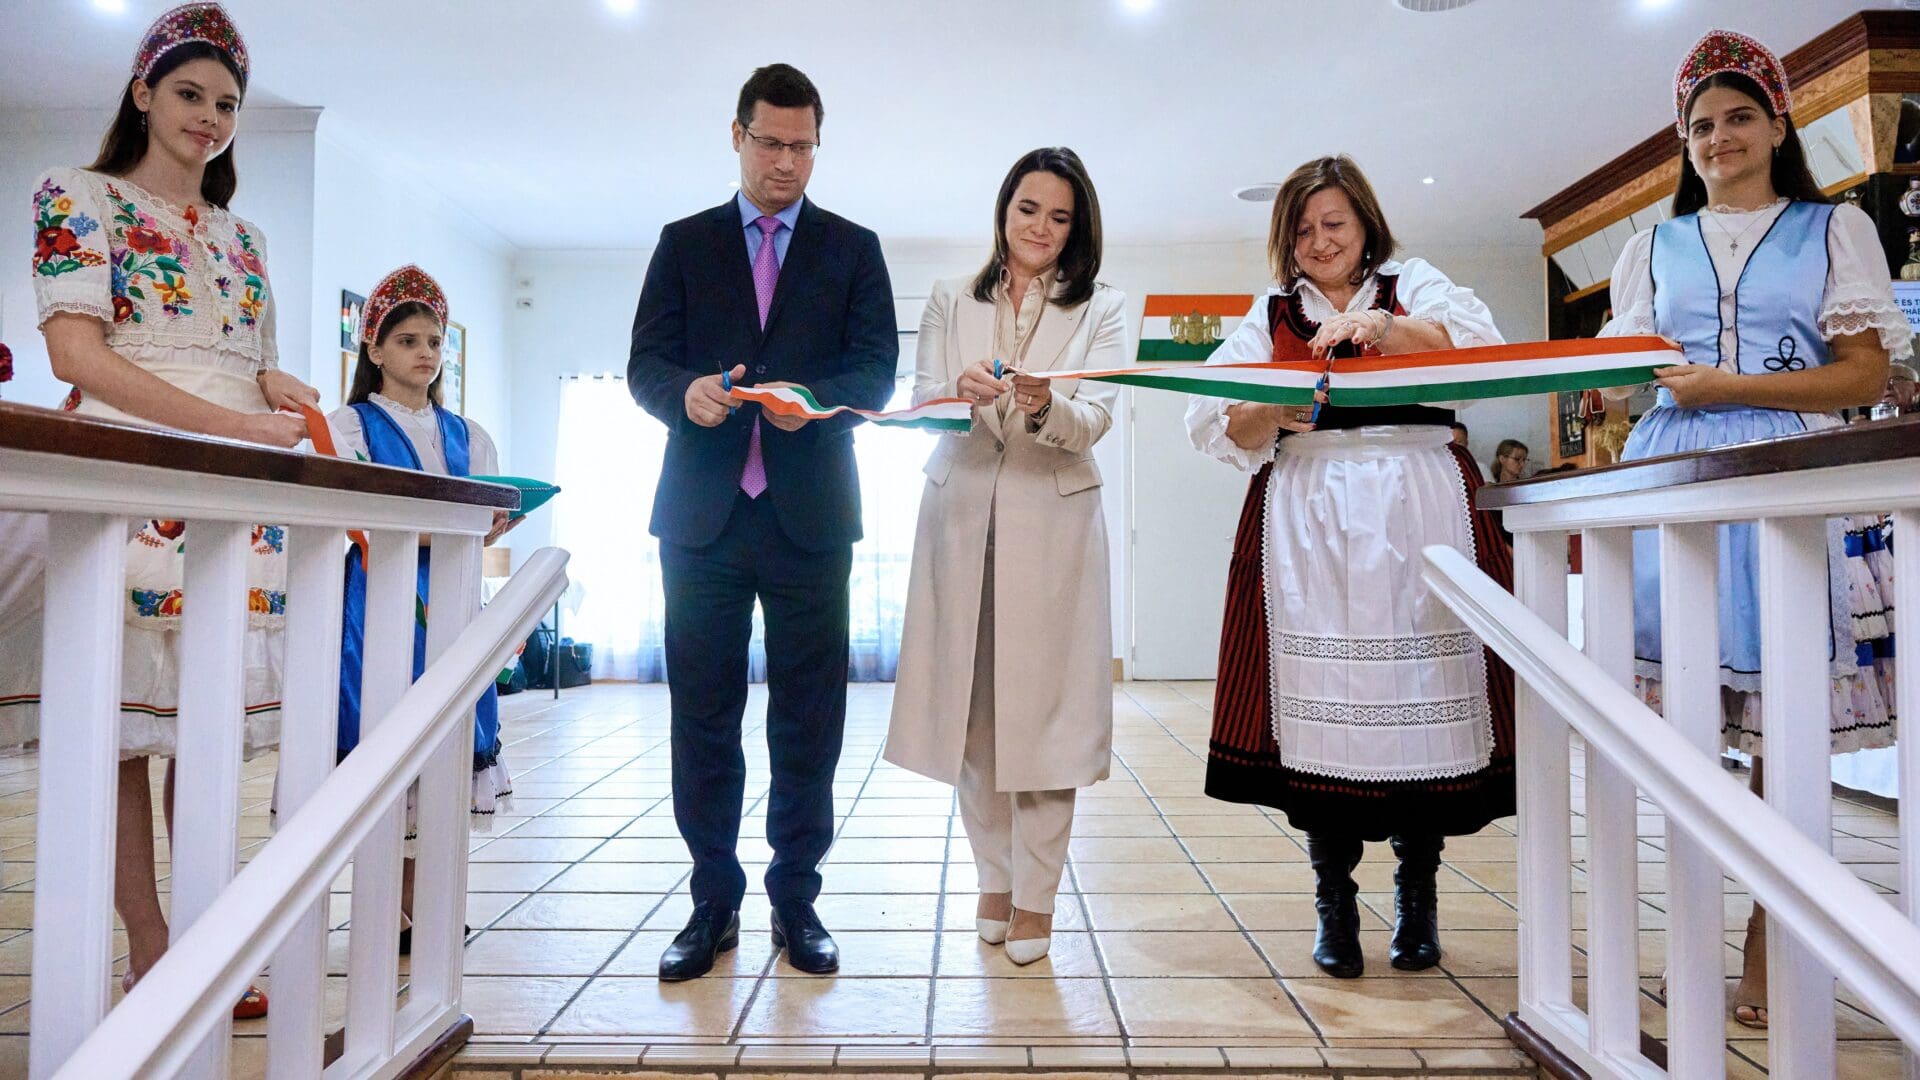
[1416,931]
[1336,946]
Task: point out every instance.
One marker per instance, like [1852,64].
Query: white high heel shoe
[1024,951]
[992,931]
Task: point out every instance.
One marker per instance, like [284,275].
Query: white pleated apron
[1373,677]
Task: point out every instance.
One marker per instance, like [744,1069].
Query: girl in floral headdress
[157,308]
[394,416]
[1782,303]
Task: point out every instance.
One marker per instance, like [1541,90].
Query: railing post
[309,719]
[213,714]
[373,962]
[1690,692]
[1794,694]
[1613,900]
[1545,795]
[1906,680]
[74,837]
[440,880]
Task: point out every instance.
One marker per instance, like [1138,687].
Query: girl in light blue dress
[1783,305]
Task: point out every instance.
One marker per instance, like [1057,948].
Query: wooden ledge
[1875,440]
[49,431]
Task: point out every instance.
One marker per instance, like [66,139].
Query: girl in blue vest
[393,416]
[1783,304]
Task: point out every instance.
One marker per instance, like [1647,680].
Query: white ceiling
[561,124]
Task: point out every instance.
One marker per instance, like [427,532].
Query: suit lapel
[1050,337]
[803,250]
[732,246]
[973,322]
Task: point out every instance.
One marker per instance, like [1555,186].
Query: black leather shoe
[809,947]
[1336,944]
[406,939]
[713,929]
[1416,931]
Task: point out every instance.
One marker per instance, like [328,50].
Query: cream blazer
[1053,638]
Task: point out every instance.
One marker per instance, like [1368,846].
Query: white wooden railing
[1823,921]
[93,479]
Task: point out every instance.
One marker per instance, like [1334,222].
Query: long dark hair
[125,142]
[1791,177]
[1079,264]
[1290,205]
[367,378]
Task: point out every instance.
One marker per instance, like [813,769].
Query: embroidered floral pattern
[57,233]
[269,539]
[148,257]
[245,257]
[171,603]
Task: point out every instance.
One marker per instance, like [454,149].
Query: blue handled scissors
[726,383]
[1318,387]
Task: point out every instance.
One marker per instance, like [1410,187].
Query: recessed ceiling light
[734,184]
[1430,5]
[622,7]
[1426,179]
[1257,192]
[1137,6]
[1654,5]
[111,7]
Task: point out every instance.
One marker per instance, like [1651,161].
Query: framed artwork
[1570,428]
[351,305]
[453,368]
[1187,328]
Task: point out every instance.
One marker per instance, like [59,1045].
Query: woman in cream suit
[1005,684]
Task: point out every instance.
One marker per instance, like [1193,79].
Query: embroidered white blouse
[178,287]
[1859,294]
[423,430]
[1424,292]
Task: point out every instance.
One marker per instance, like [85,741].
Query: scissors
[1318,388]
[726,383]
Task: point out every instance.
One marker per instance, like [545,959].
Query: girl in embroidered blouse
[1348,696]
[1784,307]
[156,306]
[394,416]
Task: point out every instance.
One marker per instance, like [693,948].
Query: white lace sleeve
[1859,293]
[72,263]
[1426,293]
[1250,343]
[483,458]
[1630,293]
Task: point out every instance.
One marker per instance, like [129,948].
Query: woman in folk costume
[1784,307]
[1348,696]
[1005,684]
[393,416]
[156,306]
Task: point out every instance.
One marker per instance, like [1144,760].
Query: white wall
[369,219]
[575,312]
[274,157]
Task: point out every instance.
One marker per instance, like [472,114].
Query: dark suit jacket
[830,329]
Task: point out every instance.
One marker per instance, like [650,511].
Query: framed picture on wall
[453,368]
[351,305]
[1570,428]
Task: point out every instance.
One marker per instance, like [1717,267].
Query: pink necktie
[766,271]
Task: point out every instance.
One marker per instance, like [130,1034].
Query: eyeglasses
[772,147]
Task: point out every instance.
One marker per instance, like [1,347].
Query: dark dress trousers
[831,329]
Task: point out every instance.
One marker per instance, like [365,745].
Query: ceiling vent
[1257,192]
[1430,5]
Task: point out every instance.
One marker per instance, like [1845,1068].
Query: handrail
[181,999]
[64,435]
[1843,921]
[1875,441]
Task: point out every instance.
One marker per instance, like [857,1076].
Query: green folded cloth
[533,493]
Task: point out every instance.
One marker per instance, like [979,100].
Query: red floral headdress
[1724,50]
[408,284]
[204,22]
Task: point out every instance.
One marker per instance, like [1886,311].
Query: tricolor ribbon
[1489,371]
[321,433]
[940,414]
[1443,375]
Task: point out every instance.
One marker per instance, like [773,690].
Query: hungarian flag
[1186,329]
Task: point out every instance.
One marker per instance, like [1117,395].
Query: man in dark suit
[770,290]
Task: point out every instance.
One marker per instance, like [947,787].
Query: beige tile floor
[1184,924]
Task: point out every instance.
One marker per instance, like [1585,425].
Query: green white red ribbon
[940,414]
[1444,375]
[1489,371]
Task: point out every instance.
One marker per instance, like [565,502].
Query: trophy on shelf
[1910,206]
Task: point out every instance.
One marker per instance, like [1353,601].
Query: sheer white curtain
[607,461]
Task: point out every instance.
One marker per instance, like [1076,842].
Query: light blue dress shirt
[782,238]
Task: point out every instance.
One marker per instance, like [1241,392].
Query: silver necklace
[1733,239]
